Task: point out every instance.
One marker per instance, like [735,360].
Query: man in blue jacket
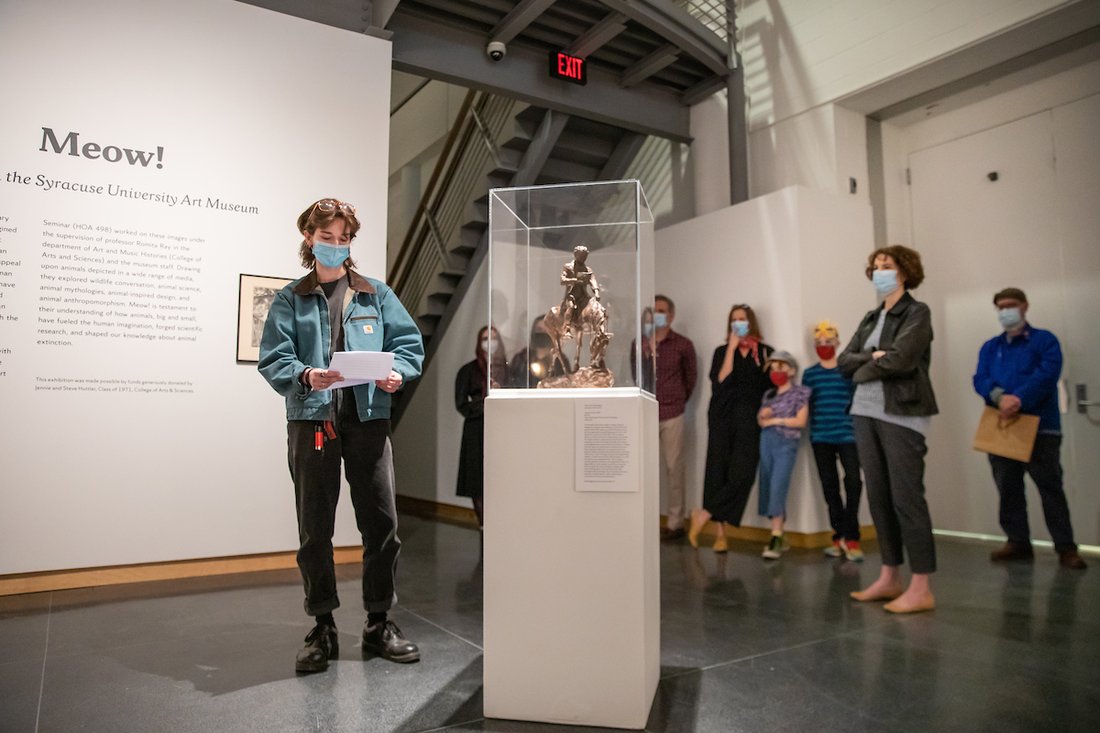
[331,309]
[1018,373]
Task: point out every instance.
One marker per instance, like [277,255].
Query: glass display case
[571,286]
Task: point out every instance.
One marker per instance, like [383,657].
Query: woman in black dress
[471,386]
[738,380]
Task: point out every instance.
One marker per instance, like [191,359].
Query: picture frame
[254,301]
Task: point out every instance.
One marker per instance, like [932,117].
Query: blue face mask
[885,281]
[660,320]
[647,329]
[741,328]
[1010,318]
[330,255]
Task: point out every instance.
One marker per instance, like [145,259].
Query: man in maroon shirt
[675,382]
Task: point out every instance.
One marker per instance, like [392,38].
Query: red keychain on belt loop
[318,438]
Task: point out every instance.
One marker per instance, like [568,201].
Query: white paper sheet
[360,367]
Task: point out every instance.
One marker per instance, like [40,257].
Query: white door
[1077,156]
[991,210]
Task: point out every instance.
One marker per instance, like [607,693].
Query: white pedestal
[572,578]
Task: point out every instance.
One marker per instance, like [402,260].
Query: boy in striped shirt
[832,438]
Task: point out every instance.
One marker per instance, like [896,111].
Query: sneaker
[776,547]
[387,641]
[836,549]
[322,644]
[852,551]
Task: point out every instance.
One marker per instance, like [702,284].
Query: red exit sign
[569,68]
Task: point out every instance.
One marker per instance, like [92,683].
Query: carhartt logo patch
[368,328]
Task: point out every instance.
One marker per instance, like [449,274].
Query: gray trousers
[368,464]
[893,469]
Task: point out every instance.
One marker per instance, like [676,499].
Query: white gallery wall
[801,57]
[797,257]
[150,153]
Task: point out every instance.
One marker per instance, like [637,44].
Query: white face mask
[885,281]
[485,345]
[1009,318]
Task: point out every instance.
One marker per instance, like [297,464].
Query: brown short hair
[750,314]
[671,305]
[1010,294]
[313,219]
[907,260]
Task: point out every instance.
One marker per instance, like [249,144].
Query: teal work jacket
[297,335]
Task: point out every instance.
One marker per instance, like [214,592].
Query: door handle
[1083,403]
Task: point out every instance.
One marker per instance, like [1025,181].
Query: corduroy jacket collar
[356,282]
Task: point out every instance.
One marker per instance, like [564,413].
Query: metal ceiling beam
[591,40]
[437,51]
[677,26]
[542,144]
[703,89]
[650,65]
[622,156]
[518,18]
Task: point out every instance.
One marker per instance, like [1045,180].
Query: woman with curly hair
[888,359]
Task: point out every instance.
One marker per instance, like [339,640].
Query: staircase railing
[469,153]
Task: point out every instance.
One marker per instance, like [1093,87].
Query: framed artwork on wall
[256,294]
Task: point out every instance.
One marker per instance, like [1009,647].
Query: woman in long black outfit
[471,387]
[738,380]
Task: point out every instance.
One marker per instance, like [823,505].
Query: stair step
[428,324]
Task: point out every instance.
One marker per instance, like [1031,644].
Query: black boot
[322,644]
[385,640]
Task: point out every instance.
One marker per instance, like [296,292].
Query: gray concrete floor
[746,646]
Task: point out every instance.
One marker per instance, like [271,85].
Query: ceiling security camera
[496,50]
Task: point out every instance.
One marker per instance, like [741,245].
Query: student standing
[888,359]
[739,378]
[1018,373]
[471,387]
[334,308]
[675,378]
[783,413]
[833,438]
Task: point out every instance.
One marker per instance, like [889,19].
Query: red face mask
[778,378]
[825,351]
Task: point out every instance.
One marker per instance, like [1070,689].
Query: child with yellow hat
[833,439]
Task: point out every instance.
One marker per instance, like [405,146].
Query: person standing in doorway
[739,378]
[1018,373]
[334,308]
[888,359]
[833,438]
[676,376]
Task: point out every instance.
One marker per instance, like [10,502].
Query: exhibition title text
[71,145]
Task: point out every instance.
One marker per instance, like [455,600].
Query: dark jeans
[893,465]
[843,515]
[368,465]
[1045,469]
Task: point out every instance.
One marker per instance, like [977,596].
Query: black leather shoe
[1070,559]
[322,644]
[385,640]
[1012,552]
